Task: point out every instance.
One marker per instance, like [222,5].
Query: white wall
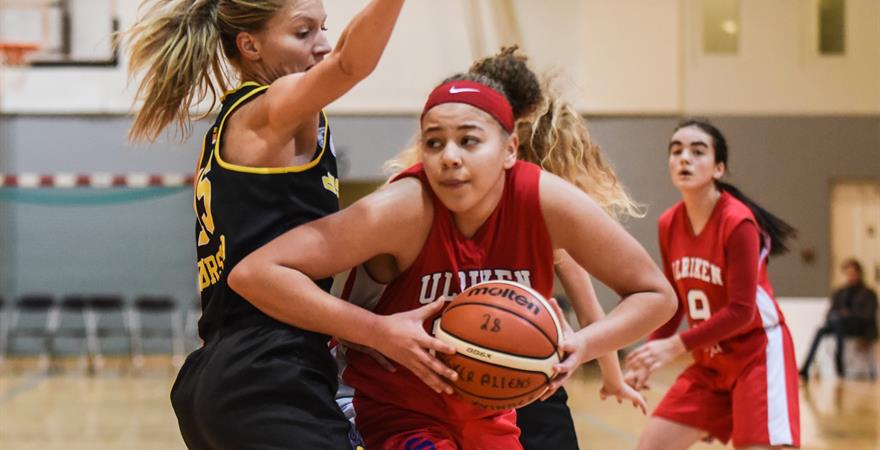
[778,69]
[429,44]
[615,57]
[629,57]
[804,315]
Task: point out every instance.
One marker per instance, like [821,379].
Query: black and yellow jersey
[238,209]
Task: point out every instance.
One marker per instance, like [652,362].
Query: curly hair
[511,70]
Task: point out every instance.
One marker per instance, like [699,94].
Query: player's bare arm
[605,250]
[277,278]
[576,282]
[299,96]
[280,126]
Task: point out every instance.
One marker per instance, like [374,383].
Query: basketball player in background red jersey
[743,384]
[437,229]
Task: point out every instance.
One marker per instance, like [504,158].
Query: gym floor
[115,409]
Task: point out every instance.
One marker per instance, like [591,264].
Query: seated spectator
[853,313]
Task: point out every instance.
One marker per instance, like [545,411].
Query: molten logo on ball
[507,293]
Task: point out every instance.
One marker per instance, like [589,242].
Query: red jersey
[721,308]
[513,244]
[743,384]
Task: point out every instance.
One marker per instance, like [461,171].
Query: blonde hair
[551,134]
[403,160]
[177,45]
[556,138]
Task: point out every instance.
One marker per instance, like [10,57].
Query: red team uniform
[743,384]
[396,410]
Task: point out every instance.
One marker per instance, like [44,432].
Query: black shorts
[547,425]
[260,388]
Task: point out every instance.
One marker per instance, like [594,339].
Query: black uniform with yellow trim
[256,383]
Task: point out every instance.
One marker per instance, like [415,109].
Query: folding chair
[156,306]
[28,309]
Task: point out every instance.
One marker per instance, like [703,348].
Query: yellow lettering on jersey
[203,194]
[331,183]
[204,281]
[221,253]
[211,266]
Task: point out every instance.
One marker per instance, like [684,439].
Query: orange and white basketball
[506,336]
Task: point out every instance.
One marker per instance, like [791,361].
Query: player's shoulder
[523,180]
[668,216]
[559,199]
[410,192]
[401,213]
[733,211]
[525,168]
[552,187]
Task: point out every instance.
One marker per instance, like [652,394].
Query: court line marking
[31,382]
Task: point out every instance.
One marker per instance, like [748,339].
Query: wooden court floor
[116,409]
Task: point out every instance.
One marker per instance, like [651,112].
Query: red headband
[475,94]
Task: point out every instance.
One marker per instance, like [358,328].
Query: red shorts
[388,427]
[757,405]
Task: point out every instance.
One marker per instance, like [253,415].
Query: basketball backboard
[68,32]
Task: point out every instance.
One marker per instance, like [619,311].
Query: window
[720,26]
[832,27]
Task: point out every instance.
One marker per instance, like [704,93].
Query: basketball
[506,337]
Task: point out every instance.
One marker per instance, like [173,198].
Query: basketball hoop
[15,53]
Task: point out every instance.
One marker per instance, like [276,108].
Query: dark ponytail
[780,232]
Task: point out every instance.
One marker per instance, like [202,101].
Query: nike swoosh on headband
[455,90]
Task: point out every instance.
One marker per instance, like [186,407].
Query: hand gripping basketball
[402,337]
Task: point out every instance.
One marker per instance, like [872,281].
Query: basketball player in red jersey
[267,165]
[715,245]
[435,230]
[555,137]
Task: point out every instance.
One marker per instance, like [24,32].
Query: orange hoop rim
[15,53]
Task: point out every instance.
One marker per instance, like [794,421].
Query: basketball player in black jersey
[264,378]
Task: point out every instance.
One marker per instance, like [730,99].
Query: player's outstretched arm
[605,250]
[294,97]
[579,289]
[277,278]
[742,284]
